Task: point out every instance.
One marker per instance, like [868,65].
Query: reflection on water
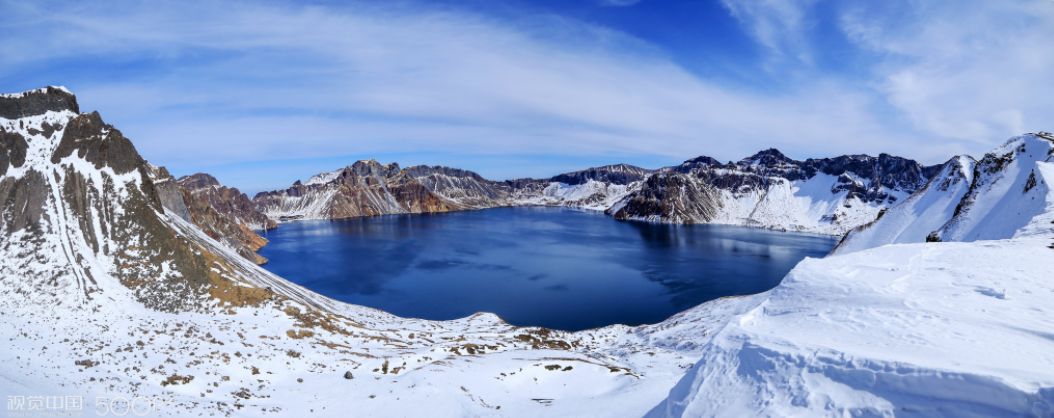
[559,268]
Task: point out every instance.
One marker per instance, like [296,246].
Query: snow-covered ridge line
[918,328]
[110,294]
[34,91]
[101,281]
[995,197]
[768,190]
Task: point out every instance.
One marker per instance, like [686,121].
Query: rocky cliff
[768,189]
[224,213]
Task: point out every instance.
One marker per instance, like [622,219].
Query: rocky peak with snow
[769,189]
[995,197]
[771,158]
[621,174]
[927,327]
[198,181]
[37,102]
[224,213]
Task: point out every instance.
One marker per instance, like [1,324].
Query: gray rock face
[703,189]
[36,102]
[169,192]
[614,174]
[223,213]
[99,143]
[671,196]
[83,207]
[12,150]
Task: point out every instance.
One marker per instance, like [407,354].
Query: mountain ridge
[864,185]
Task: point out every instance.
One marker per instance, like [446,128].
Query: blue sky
[263,93]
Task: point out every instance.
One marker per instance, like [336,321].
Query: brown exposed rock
[223,213]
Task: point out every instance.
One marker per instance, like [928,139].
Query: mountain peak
[37,102]
[769,156]
[703,159]
[198,181]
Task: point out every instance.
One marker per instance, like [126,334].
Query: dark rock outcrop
[36,102]
[614,174]
[12,150]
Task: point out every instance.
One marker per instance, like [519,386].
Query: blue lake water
[552,267]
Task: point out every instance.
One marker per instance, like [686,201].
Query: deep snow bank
[950,329]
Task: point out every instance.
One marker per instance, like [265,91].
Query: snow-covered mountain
[108,293]
[993,198]
[223,213]
[368,188]
[938,329]
[769,190]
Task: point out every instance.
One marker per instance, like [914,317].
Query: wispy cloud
[780,26]
[967,70]
[963,73]
[225,84]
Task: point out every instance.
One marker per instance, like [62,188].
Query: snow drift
[949,329]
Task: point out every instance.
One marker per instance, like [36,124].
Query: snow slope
[920,215]
[106,295]
[1007,191]
[944,329]
[952,329]
[993,198]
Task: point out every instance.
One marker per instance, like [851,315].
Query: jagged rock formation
[224,213]
[79,206]
[829,195]
[103,279]
[368,188]
[770,190]
[993,198]
[919,329]
[365,188]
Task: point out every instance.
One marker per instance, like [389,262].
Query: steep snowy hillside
[223,213]
[993,198]
[1006,193]
[770,190]
[917,217]
[107,294]
[947,329]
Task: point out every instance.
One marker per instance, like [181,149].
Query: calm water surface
[558,268]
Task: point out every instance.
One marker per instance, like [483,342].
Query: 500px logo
[120,406]
[35,406]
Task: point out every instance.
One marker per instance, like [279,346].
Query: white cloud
[243,82]
[970,70]
[962,73]
[779,25]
